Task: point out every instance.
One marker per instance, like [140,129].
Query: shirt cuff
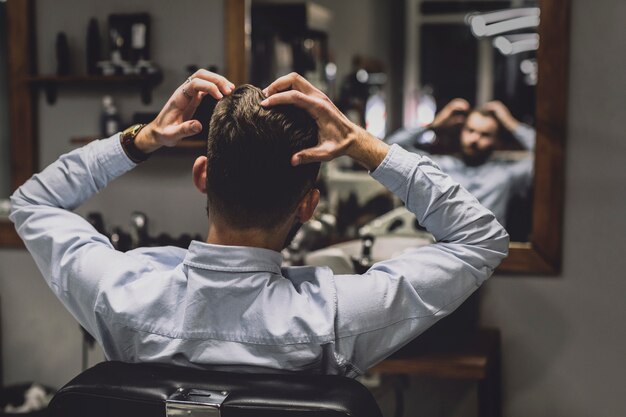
[396,168]
[111,155]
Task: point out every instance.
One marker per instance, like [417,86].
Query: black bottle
[63,54]
[94,46]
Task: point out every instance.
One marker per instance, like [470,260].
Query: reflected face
[478,137]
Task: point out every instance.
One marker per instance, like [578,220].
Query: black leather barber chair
[116,389]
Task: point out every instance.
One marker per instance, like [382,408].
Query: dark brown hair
[250,179]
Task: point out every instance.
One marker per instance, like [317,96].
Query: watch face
[128,144]
[133,130]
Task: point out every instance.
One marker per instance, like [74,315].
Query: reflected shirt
[212,305]
[493,183]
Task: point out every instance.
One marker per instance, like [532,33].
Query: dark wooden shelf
[191,144]
[51,83]
[478,360]
[470,361]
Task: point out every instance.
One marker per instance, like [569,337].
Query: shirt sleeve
[521,172]
[397,299]
[526,135]
[69,252]
[406,138]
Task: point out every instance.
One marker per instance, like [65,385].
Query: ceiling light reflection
[514,44]
[494,23]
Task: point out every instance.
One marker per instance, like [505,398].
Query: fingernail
[220,96]
[265,102]
[297,161]
[196,128]
[228,90]
[265,92]
[232,86]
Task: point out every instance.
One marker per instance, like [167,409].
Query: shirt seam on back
[263,268]
[406,318]
[319,339]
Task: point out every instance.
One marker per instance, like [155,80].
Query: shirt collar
[233,258]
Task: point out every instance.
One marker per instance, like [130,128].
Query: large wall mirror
[513,51]
[432,53]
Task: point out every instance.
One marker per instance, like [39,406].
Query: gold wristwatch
[127,139]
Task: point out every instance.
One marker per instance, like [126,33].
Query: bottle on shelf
[110,119]
[94,47]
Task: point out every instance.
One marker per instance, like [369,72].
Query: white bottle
[110,119]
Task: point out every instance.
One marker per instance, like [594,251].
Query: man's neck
[220,234]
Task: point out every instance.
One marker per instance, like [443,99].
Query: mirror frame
[541,255]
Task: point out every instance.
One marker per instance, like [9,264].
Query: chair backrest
[116,389]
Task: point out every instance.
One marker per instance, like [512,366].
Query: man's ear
[307,205]
[199,173]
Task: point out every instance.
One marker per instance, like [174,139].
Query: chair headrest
[122,389]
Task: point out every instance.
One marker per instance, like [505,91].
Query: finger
[496,106]
[183,130]
[290,81]
[312,105]
[457,120]
[198,85]
[318,153]
[461,104]
[190,107]
[225,86]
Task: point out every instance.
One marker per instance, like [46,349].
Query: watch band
[127,139]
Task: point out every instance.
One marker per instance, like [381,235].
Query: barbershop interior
[544,336]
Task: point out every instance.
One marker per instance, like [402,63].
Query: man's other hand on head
[337,134]
[174,122]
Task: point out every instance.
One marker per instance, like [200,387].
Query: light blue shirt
[493,183]
[236,306]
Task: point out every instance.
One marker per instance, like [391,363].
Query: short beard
[477,158]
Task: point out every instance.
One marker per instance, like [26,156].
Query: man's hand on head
[453,114]
[503,114]
[173,122]
[337,134]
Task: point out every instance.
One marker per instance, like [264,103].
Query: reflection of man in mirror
[494,180]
